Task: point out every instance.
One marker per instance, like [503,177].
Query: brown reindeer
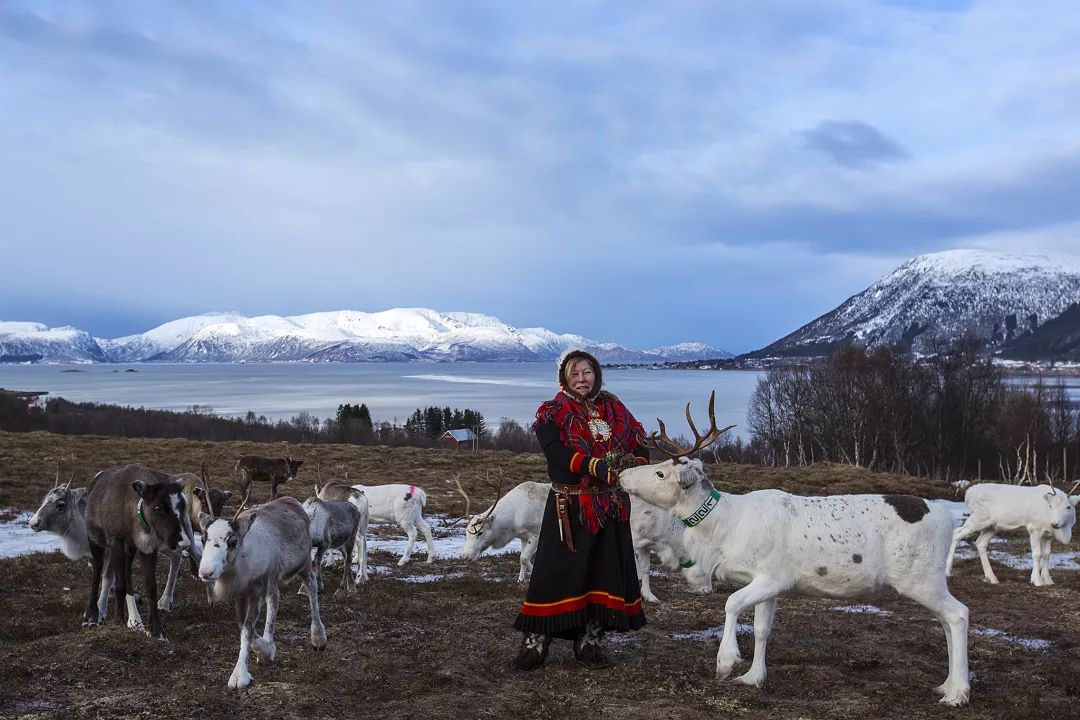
[264,469]
[133,510]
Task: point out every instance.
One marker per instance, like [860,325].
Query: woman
[584,579]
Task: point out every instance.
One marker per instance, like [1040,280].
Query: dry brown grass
[400,650]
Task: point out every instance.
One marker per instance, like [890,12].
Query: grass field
[402,649]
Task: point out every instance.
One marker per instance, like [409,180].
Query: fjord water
[391,390]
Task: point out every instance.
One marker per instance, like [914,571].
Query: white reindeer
[404,505]
[519,514]
[248,559]
[515,516]
[655,531]
[775,543]
[1043,510]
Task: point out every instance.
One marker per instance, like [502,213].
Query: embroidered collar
[141,517]
[704,510]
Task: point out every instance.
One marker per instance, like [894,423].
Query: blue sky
[645,173]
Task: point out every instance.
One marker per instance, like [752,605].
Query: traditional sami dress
[597,579]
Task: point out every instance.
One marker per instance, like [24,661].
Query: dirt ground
[409,650]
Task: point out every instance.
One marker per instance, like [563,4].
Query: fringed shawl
[571,416]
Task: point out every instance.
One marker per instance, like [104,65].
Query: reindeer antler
[468,503]
[656,438]
[72,475]
[243,503]
[498,496]
[206,492]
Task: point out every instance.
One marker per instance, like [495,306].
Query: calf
[272,470]
[775,544]
[63,513]
[133,510]
[333,526]
[248,559]
[1044,511]
[358,499]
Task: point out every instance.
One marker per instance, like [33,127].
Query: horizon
[633,175]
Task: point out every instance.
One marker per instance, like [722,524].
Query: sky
[636,172]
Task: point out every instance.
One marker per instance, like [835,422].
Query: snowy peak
[400,335]
[26,341]
[943,296]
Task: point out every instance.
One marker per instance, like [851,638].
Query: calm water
[391,390]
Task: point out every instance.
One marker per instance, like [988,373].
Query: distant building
[460,438]
[32,398]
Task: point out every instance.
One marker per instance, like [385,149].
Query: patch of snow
[435,577]
[1029,643]
[713,632]
[16,538]
[864,609]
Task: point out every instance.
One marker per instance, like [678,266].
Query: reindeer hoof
[751,679]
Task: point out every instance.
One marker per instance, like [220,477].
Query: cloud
[183,158]
[853,143]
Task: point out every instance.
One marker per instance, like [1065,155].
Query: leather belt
[563,493]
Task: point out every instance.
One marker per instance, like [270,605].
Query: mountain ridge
[395,335]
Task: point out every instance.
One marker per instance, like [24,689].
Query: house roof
[461,434]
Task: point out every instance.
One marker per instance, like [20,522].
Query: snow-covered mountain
[63,344]
[416,334]
[944,296]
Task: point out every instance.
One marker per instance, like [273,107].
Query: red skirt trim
[595,597]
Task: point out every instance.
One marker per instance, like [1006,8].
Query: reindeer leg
[360,552]
[166,600]
[1044,573]
[264,647]
[642,560]
[150,582]
[981,543]
[318,630]
[240,677]
[763,619]
[426,529]
[528,552]
[106,589]
[953,615]
[759,590]
[348,584]
[92,615]
[410,531]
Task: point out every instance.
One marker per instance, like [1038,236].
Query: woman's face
[582,377]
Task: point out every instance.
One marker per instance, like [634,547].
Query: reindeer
[1043,510]
[264,469]
[248,559]
[401,504]
[776,544]
[333,526]
[519,514]
[131,511]
[346,493]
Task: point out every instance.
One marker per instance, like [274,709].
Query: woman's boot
[533,652]
[587,647]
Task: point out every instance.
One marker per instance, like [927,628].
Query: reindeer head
[58,508]
[161,509]
[1061,511]
[294,467]
[223,539]
[666,483]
